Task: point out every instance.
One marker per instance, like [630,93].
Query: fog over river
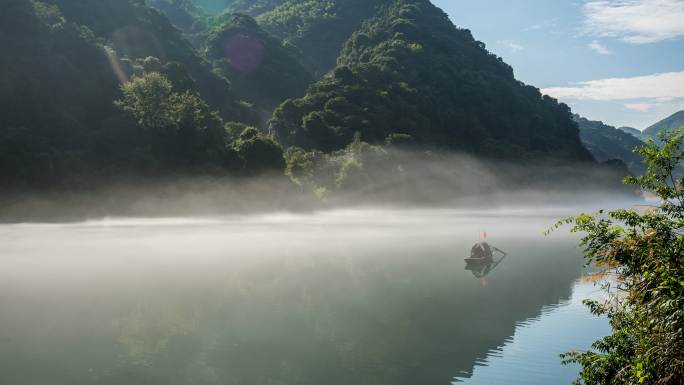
[333,297]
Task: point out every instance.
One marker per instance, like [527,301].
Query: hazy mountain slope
[411,71]
[632,131]
[672,122]
[607,142]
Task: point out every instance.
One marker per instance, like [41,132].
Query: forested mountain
[606,143]
[56,87]
[261,69]
[672,122]
[410,71]
[136,31]
[319,28]
[107,89]
[98,89]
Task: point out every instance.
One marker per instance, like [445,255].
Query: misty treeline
[339,96]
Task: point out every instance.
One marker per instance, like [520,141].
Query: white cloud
[513,46]
[635,21]
[655,88]
[641,107]
[599,48]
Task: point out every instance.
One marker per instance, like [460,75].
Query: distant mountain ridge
[633,131]
[607,143]
[672,122]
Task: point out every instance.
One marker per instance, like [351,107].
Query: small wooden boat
[481,261]
[480,253]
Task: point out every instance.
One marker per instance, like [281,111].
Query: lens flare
[244,52]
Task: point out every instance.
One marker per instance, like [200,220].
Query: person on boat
[481,261]
[481,250]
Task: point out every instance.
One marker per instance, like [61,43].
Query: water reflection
[530,356]
[334,298]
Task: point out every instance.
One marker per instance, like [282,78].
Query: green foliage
[183,131]
[56,87]
[180,127]
[259,153]
[49,15]
[260,68]
[354,168]
[150,99]
[405,77]
[135,31]
[644,252]
[410,71]
[318,28]
[60,126]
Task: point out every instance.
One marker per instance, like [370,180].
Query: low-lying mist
[395,179]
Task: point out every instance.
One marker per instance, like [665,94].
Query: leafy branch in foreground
[644,253]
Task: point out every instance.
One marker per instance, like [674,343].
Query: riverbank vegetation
[644,252]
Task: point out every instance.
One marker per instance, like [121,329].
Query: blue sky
[619,61]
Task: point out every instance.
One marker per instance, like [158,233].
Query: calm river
[362,297]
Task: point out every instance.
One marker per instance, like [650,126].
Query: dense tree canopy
[56,87]
[318,28]
[260,68]
[410,71]
[61,125]
[135,31]
[399,75]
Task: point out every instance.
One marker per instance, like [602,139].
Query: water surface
[340,297]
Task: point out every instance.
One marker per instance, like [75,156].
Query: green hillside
[136,31]
[410,71]
[261,69]
[318,28]
[121,94]
[163,88]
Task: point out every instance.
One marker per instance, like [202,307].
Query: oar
[499,250]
